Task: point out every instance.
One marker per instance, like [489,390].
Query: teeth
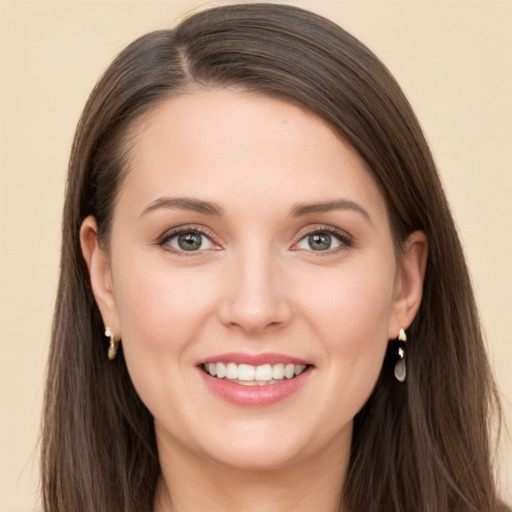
[231,371]
[278,371]
[299,368]
[220,370]
[289,371]
[254,375]
[246,372]
[263,372]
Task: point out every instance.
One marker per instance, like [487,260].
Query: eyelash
[169,235]
[344,238]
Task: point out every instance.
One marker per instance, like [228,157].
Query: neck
[189,483]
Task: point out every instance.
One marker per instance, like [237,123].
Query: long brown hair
[421,446]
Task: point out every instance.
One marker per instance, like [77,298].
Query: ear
[100,274]
[408,283]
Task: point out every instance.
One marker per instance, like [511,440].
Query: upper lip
[254,359]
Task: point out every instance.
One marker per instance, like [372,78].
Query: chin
[266,449]
[260,460]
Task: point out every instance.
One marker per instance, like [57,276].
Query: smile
[250,375]
[254,380]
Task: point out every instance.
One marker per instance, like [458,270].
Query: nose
[255,296]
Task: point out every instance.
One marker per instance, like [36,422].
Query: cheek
[158,306]
[350,312]
[355,302]
[356,341]
[160,311]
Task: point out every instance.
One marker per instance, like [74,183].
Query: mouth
[251,380]
[251,375]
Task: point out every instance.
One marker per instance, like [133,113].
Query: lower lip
[251,396]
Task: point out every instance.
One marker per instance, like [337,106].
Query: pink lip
[254,359]
[251,396]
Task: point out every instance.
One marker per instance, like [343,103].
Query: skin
[255,286]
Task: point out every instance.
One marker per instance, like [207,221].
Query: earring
[112,349]
[400,369]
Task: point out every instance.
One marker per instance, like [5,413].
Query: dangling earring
[400,369]
[112,349]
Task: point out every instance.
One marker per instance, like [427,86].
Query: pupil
[320,241]
[189,241]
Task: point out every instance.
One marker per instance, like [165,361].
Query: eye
[190,240]
[323,241]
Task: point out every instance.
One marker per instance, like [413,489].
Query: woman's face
[248,238]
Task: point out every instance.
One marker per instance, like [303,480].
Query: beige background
[453,59]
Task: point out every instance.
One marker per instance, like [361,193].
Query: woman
[255,223]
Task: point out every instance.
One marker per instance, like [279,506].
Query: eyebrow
[185,203]
[211,208]
[300,210]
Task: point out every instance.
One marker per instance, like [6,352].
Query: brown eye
[319,241]
[189,241]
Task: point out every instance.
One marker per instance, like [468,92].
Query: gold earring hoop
[112,349]
[400,368]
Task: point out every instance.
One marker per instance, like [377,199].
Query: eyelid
[347,241]
[163,239]
[345,238]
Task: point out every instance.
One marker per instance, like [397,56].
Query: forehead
[230,145]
